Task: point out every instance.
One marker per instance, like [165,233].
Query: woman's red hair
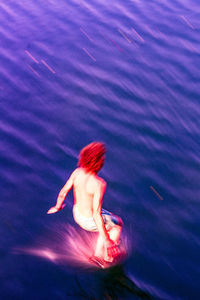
[92,157]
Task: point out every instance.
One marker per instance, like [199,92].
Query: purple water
[122,72]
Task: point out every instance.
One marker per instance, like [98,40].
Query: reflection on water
[115,284]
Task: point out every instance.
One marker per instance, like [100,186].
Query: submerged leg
[114,234]
[99,247]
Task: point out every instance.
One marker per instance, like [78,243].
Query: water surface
[123,72]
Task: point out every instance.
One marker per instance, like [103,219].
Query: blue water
[122,72]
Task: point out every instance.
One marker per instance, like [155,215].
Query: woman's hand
[54,209]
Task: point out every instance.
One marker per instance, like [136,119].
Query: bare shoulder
[100,182]
[75,173]
[95,183]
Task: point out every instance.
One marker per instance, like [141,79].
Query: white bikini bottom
[110,220]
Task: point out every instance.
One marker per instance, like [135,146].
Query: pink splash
[68,246]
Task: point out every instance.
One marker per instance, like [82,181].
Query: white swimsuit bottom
[110,220]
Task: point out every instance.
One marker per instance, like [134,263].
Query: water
[123,72]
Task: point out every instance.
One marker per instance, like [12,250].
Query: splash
[68,245]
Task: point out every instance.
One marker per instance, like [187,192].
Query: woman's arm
[62,195]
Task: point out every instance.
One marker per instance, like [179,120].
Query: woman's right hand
[52,210]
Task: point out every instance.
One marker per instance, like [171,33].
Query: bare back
[84,186]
